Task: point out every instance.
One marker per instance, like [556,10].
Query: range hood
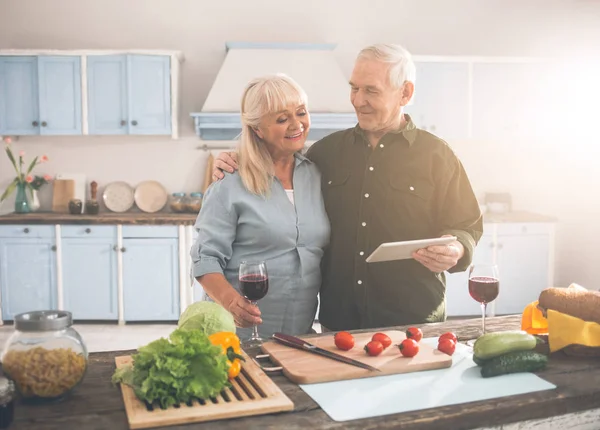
[313,66]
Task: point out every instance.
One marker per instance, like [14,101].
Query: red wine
[254,287]
[484,289]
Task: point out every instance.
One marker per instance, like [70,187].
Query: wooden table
[97,404]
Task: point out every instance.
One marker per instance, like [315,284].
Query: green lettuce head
[209,317]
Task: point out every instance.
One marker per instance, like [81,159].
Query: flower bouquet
[24,180]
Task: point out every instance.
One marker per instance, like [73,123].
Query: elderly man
[385,180]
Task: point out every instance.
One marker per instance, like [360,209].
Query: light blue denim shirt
[235,225]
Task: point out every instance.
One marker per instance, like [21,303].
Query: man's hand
[439,258]
[245,314]
[226,161]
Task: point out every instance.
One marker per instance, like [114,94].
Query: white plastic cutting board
[385,395]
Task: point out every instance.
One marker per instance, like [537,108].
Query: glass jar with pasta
[45,357]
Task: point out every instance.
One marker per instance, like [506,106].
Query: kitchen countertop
[141,218]
[97,404]
[517,216]
[160,218]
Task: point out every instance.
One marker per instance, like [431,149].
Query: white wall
[554,182]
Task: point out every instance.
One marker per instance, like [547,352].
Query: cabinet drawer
[524,228]
[150,231]
[89,231]
[24,231]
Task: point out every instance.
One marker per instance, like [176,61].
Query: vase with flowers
[24,181]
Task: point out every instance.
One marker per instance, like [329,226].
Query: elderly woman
[271,209]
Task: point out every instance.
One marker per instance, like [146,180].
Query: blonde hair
[263,96]
[401,69]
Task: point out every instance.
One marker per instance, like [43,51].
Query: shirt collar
[300,158]
[408,131]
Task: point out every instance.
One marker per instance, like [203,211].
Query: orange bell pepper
[231,348]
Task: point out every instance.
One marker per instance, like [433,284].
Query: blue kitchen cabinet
[107,94]
[40,95]
[150,273]
[89,266]
[27,269]
[59,89]
[440,103]
[522,255]
[150,94]
[18,96]
[129,94]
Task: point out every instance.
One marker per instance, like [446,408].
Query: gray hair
[402,67]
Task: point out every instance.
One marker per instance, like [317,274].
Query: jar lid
[43,320]
[7,389]
[196,194]
[178,194]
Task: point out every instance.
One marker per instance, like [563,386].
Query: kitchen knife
[298,343]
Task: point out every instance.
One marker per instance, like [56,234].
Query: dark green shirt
[410,186]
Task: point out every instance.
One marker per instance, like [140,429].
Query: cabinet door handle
[134,122]
[25,230]
[123,249]
[117,249]
[44,123]
[88,230]
[53,248]
[35,123]
[123,122]
[499,246]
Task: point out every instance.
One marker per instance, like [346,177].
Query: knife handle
[292,340]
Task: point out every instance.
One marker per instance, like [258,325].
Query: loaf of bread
[574,300]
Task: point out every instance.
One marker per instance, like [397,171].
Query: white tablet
[403,250]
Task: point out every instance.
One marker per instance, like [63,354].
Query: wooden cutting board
[63,190]
[304,367]
[251,393]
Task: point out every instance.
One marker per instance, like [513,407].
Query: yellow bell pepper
[231,348]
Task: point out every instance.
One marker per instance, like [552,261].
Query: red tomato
[409,347]
[374,348]
[447,346]
[449,335]
[344,340]
[383,338]
[414,333]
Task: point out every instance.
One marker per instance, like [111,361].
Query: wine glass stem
[483,309]
[254,327]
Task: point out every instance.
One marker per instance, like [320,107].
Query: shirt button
[411,188]
[367,195]
[381,145]
[364,224]
[359,282]
[361,253]
[371,168]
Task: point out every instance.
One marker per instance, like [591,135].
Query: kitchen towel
[385,395]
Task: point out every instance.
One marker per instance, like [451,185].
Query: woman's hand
[245,314]
[225,161]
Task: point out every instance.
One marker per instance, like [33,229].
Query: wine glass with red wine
[254,285]
[484,286]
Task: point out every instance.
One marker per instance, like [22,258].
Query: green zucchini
[479,361]
[514,362]
[492,345]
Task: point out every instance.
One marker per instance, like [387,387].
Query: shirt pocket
[411,201]
[335,192]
